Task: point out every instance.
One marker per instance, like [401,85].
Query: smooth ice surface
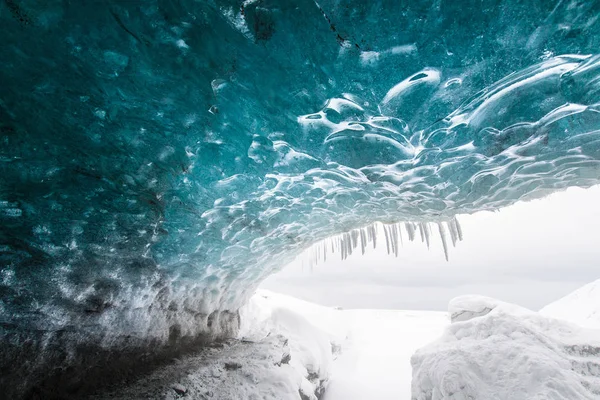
[495,350]
[159,159]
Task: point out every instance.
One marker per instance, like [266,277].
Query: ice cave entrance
[518,254]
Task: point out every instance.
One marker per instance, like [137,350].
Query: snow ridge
[581,306]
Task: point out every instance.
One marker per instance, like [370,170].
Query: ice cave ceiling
[159,158]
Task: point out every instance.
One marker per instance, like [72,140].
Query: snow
[581,307]
[495,350]
[311,331]
[375,361]
[376,345]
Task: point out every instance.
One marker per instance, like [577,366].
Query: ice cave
[160,158]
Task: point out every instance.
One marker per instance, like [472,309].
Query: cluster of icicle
[344,244]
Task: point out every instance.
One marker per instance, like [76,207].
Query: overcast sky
[531,254]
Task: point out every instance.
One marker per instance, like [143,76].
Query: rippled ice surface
[159,159]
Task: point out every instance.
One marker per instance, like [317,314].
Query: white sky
[531,253]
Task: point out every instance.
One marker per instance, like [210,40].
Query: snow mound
[312,334]
[581,307]
[494,350]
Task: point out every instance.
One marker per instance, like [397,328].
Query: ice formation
[344,244]
[158,159]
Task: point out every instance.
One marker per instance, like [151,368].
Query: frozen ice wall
[159,158]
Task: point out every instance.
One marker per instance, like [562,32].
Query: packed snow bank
[581,307]
[494,350]
[263,312]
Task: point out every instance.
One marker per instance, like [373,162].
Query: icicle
[363,240]
[400,233]
[400,241]
[452,231]
[427,233]
[347,242]
[350,244]
[387,239]
[374,229]
[395,241]
[395,238]
[410,230]
[443,237]
[421,232]
[392,238]
[458,229]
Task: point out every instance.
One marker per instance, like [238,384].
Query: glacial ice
[159,159]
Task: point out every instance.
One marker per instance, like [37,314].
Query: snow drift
[495,350]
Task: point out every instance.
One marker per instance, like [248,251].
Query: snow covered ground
[290,349]
[375,361]
[372,348]
[482,348]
